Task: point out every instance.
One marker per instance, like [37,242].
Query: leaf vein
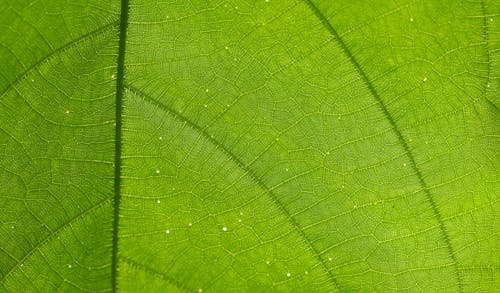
[396,130]
[267,190]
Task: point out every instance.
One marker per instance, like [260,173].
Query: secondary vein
[397,132]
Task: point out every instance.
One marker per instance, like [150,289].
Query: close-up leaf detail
[249,145]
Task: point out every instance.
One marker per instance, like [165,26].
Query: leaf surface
[295,146]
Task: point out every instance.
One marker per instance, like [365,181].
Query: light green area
[291,146]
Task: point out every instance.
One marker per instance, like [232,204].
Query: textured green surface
[263,146]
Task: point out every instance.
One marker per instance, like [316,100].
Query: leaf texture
[249,146]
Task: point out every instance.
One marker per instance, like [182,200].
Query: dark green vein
[155,273]
[59,50]
[118,139]
[486,37]
[82,214]
[397,132]
[247,171]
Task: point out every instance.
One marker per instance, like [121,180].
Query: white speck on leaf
[206,90]
[157,171]
[69,266]
[425,79]
[226,47]
[239,220]
[404,164]
[167,231]
[288,275]
[224,229]
[411,19]
[161,137]
[158,201]
[190,224]
[329,259]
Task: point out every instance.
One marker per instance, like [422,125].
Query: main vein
[118,138]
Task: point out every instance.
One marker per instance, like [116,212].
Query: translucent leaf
[250,146]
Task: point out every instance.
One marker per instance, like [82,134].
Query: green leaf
[267,145]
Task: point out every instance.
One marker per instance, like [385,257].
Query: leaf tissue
[249,145]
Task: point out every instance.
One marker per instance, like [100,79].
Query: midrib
[118,138]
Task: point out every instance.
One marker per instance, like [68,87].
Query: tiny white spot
[329,259]
[205,105]
[488,85]
[307,273]
[167,231]
[200,290]
[12,227]
[69,266]
[239,220]
[343,186]
[236,7]
[491,19]
[286,169]
[355,206]
[425,79]
[157,171]
[66,112]
[158,201]
[328,152]
[206,90]
[226,47]
[404,164]
[113,76]
[161,137]
[267,262]
[411,19]
[224,229]
[267,0]
[22,264]
[190,224]
[288,275]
